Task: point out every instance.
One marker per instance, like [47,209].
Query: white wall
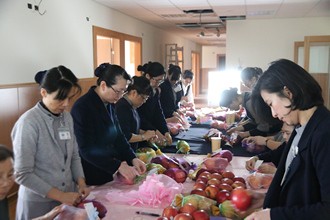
[258,42]
[31,42]
[209,55]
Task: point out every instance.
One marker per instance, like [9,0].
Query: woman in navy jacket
[300,188]
[138,93]
[151,112]
[103,147]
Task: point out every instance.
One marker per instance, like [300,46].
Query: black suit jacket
[305,193]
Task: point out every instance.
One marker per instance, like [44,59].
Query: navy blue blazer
[129,120]
[305,193]
[151,114]
[168,99]
[102,145]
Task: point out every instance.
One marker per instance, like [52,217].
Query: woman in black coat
[300,188]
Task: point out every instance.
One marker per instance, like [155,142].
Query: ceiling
[210,28]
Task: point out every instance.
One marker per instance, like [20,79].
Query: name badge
[64,134]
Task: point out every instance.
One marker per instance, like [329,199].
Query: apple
[177,174]
[162,160]
[239,178]
[228,174]
[211,191]
[198,191]
[183,216]
[163,218]
[216,176]
[199,184]
[203,178]
[222,195]
[214,181]
[205,173]
[227,180]
[225,186]
[187,208]
[238,184]
[227,154]
[200,215]
[170,211]
[266,180]
[102,210]
[241,198]
[201,170]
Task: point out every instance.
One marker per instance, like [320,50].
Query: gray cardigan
[40,162]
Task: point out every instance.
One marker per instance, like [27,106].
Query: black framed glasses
[118,92]
[159,81]
[144,97]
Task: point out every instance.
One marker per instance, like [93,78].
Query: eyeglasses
[159,81]
[144,97]
[118,92]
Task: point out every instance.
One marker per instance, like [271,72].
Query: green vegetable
[182,146]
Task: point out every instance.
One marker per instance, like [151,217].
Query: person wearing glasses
[47,163]
[184,93]
[250,76]
[138,93]
[103,148]
[151,112]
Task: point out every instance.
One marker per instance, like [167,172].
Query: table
[198,145]
[126,212]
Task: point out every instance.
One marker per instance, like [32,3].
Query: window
[117,48]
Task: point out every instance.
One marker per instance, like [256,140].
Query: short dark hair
[174,71]
[5,153]
[109,72]
[59,79]
[249,72]
[228,96]
[283,73]
[187,74]
[141,84]
[153,69]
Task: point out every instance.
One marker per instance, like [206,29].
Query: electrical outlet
[29,5]
[36,7]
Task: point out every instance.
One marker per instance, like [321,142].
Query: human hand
[243,134]
[257,200]
[259,215]
[149,134]
[51,214]
[250,163]
[139,165]
[259,140]
[168,138]
[234,129]
[84,191]
[128,172]
[70,198]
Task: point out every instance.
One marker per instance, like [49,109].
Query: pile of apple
[186,212]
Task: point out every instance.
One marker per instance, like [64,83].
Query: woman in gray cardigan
[47,163]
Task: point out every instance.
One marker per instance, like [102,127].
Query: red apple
[238,184]
[241,198]
[199,191]
[177,174]
[225,186]
[199,184]
[187,208]
[222,195]
[214,181]
[227,180]
[183,216]
[216,176]
[239,178]
[228,174]
[211,191]
[203,178]
[170,211]
[205,173]
[200,215]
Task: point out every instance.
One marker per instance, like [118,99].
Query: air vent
[198,11]
[174,16]
[204,25]
[228,18]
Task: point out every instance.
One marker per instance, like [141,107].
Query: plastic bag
[258,180]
